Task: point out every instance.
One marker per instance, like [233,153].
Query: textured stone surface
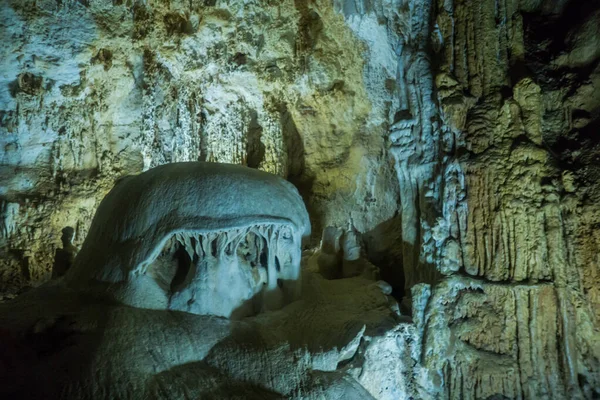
[92,91]
[519,318]
[60,342]
[205,238]
[460,136]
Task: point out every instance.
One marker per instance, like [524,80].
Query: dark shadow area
[64,257]
[296,172]
[183,273]
[383,247]
[294,145]
[248,308]
[398,261]
[253,305]
[304,184]
[48,339]
[546,37]
[197,380]
[23,260]
[310,27]
[254,147]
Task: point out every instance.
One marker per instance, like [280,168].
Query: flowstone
[215,241]
[204,238]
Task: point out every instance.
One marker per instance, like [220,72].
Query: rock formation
[75,339]
[103,89]
[211,212]
[458,137]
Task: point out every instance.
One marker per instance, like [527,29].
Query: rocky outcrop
[63,343]
[496,210]
[518,317]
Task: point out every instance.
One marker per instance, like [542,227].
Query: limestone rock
[326,345]
[93,91]
[460,137]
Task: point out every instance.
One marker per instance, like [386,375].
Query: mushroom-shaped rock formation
[207,239]
[204,238]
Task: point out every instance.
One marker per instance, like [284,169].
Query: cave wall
[95,90]
[518,316]
[460,137]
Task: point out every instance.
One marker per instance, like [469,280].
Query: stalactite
[258,263]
